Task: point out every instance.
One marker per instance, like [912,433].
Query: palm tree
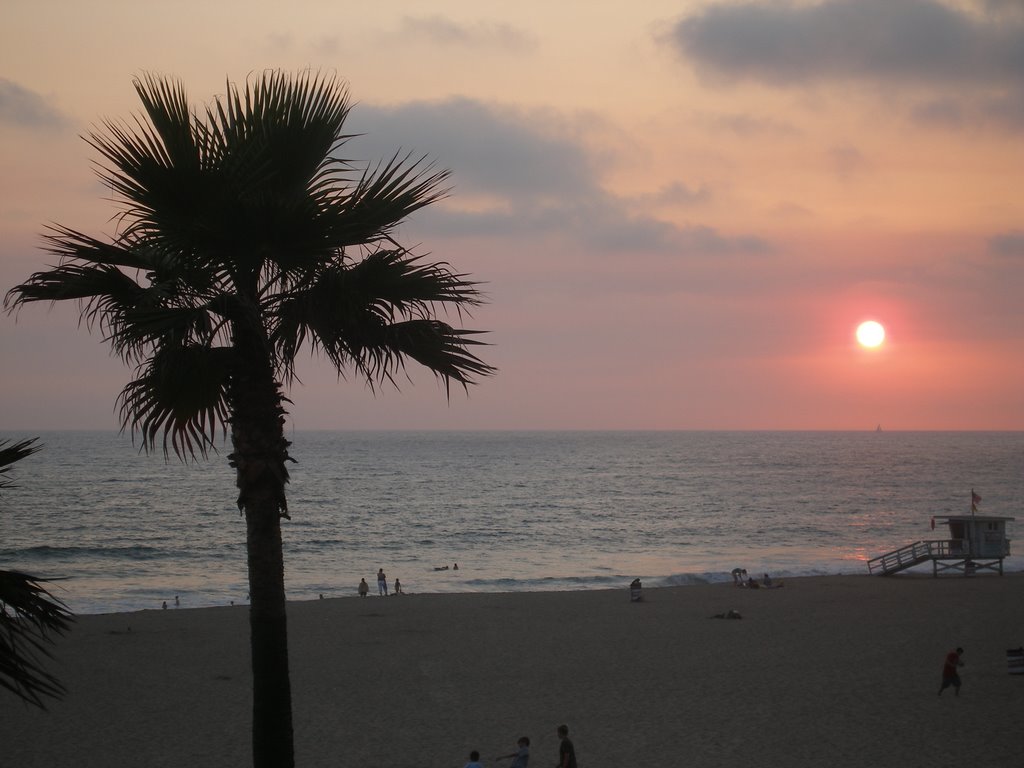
[29,615]
[243,240]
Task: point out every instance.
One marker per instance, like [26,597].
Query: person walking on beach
[521,757]
[364,588]
[398,587]
[474,760]
[566,750]
[382,583]
[950,676]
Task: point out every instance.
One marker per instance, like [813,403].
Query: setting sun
[870,333]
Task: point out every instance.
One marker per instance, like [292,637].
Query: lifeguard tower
[976,543]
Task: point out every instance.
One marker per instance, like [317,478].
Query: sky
[679,211]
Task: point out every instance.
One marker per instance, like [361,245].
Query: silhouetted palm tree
[245,239]
[29,615]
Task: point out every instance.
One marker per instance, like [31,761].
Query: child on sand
[521,756]
[474,760]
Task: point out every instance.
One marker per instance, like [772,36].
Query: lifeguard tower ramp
[975,544]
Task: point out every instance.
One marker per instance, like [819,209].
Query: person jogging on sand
[950,676]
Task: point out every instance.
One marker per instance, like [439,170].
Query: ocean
[119,530]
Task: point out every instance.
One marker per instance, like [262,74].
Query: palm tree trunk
[259,457]
[271,694]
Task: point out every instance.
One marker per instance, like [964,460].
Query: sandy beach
[827,671]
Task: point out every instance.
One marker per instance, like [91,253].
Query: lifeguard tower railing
[944,554]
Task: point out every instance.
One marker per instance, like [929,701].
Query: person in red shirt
[950,676]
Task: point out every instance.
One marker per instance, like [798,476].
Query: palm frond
[88,269]
[279,129]
[382,199]
[410,284]
[179,397]
[29,617]
[348,311]
[153,164]
[29,614]
[440,348]
[166,105]
[13,453]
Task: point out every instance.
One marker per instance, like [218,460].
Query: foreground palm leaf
[244,239]
[30,616]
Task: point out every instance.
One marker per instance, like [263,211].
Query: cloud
[749,126]
[444,31]
[918,41]
[1012,9]
[1006,110]
[1007,244]
[527,174]
[955,66]
[678,193]
[847,161]
[1002,110]
[26,109]
[490,149]
[942,112]
[604,226]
